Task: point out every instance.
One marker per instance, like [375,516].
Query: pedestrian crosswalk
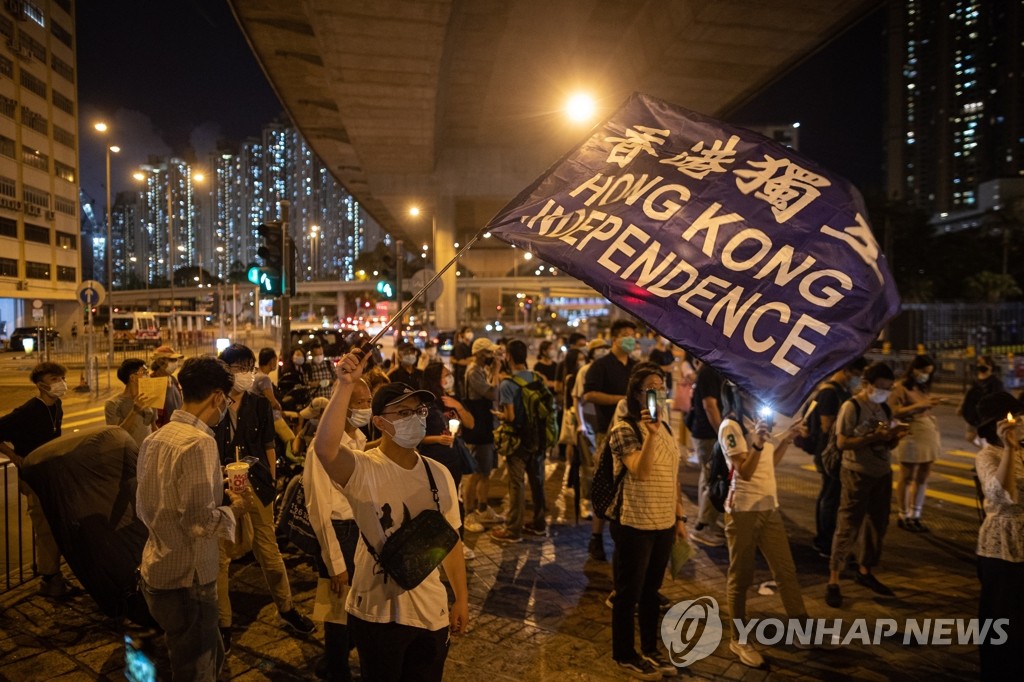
[950,469]
[90,416]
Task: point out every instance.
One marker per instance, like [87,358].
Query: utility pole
[287,272]
[399,257]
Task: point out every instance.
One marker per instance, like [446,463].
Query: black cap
[395,392]
[995,407]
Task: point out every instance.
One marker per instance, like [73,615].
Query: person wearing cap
[330,515]
[1000,467]
[247,430]
[165,363]
[400,634]
[406,372]
[481,391]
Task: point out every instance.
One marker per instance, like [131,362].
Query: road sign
[91,292]
[38,303]
[417,281]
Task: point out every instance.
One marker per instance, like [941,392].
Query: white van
[134,329]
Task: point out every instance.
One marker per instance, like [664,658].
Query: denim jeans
[188,616]
[638,566]
[533,467]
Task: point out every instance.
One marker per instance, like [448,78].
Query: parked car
[22,333]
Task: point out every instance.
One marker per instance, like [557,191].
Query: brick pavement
[538,612]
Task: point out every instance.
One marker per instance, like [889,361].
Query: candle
[453,426]
[1010,419]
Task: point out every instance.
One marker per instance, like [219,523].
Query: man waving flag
[754,258]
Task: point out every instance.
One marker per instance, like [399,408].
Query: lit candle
[1010,419]
[453,426]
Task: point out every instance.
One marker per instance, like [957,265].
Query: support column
[342,302]
[447,311]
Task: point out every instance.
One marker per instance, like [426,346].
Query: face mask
[57,389]
[487,362]
[170,367]
[627,344]
[922,378]
[221,413]
[358,418]
[878,395]
[409,359]
[243,381]
[409,431]
[317,359]
[299,360]
[600,353]
[635,354]
[449,383]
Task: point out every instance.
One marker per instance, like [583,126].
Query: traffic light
[386,289]
[270,278]
[386,283]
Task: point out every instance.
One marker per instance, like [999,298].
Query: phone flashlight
[652,403]
[766,413]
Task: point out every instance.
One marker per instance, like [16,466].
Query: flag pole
[372,343]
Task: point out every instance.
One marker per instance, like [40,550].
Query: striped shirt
[180,486]
[649,504]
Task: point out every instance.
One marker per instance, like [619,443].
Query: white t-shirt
[383,495]
[759,493]
[326,503]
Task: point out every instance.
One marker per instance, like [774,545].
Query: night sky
[179,75]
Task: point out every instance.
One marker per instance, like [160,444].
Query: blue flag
[755,259]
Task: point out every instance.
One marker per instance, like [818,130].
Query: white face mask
[317,359]
[600,353]
[636,354]
[57,389]
[878,395]
[922,378]
[409,431]
[244,381]
[449,383]
[171,367]
[299,360]
[409,359]
[358,418]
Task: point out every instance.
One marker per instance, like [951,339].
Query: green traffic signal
[385,289]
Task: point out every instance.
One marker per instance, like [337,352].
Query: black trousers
[1002,596]
[638,566]
[826,510]
[390,652]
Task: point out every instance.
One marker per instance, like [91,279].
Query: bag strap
[437,503]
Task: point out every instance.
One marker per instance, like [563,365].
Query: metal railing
[19,543]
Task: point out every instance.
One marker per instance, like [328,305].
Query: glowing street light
[580,107]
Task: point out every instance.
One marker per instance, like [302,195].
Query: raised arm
[338,461]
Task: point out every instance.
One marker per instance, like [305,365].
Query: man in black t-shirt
[836,390]
[26,428]
[706,410]
[462,354]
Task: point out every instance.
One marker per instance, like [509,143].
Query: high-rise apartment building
[956,104]
[40,247]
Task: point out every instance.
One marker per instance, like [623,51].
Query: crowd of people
[388,444]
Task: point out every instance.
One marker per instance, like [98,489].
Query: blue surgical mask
[409,431]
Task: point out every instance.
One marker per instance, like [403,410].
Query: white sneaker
[467,553]
[472,525]
[488,517]
[747,654]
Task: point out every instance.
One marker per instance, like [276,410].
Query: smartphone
[767,415]
[652,403]
[138,667]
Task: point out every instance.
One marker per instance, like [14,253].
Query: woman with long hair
[986,382]
[912,401]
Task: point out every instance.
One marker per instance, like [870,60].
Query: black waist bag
[418,546]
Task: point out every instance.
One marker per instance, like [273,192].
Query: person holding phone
[647,517]
[912,401]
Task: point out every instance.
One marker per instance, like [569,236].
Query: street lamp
[314,250]
[103,128]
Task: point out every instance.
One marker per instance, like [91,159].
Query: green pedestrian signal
[386,289]
[267,279]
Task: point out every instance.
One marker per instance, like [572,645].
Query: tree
[991,287]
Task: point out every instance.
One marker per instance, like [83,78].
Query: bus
[134,329]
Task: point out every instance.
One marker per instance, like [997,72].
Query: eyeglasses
[422,411]
[231,401]
[243,369]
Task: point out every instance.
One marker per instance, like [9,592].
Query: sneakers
[917,525]
[467,553]
[747,654]
[869,581]
[596,548]
[472,525]
[488,517]
[639,669]
[659,663]
[505,535]
[609,601]
[297,622]
[530,529]
[225,635]
[707,537]
[833,597]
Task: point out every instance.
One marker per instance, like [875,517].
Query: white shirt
[759,493]
[325,503]
[383,495]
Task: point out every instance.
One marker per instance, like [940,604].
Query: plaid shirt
[316,373]
[180,486]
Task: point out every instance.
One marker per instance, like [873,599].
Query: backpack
[536,425]
[719,478]
[832,455]
[604,490]
[812,420]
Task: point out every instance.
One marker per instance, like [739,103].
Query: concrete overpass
[453,106]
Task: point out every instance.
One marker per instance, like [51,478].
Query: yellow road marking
[953,498]
[962,453]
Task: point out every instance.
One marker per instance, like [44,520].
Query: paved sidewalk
[538,613]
